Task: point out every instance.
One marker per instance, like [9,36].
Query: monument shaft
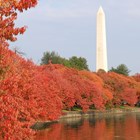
[101,50]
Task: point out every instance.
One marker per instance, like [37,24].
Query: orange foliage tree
[30,93]
[79,88]
[107,96]
[11,104]
[137,79]
[123,88]
[26,96]
[8,15]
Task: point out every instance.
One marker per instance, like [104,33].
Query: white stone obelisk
[101,50]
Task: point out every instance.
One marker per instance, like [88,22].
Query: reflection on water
[118,127]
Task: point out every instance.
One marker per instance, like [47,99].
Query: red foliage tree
[8,15]
[26,96]
[130,96]
[137,77]
[120,86]
[106,95]
[30,93]
[81,88]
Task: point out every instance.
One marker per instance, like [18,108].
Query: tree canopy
[54,57]
[78,63]
[121,69]
[8,14]
[31,93]
[73,62]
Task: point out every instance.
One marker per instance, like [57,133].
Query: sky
[68,27]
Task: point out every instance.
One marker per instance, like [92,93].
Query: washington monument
[101,50]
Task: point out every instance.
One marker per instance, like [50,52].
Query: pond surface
[116,127]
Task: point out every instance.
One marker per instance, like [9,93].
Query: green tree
[53,57]
[73,62]
[121,69]
[78,63]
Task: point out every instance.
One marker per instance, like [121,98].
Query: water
[117,127]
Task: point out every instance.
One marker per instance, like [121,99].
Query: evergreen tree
[73,62]
[53,57]
[79,63]
[121,69]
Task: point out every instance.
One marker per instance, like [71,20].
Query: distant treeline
[79,63]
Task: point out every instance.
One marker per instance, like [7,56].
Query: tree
[14,111]
[137,77]
[8,14]
[28,93]
[73,62]
[123,88]
[78,63]
[121,69]
[53,57]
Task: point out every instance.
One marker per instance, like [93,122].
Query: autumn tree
[30,93]
[123,88]
[137,77]
[13,107]
[8,14]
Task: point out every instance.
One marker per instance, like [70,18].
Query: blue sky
[69,28]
